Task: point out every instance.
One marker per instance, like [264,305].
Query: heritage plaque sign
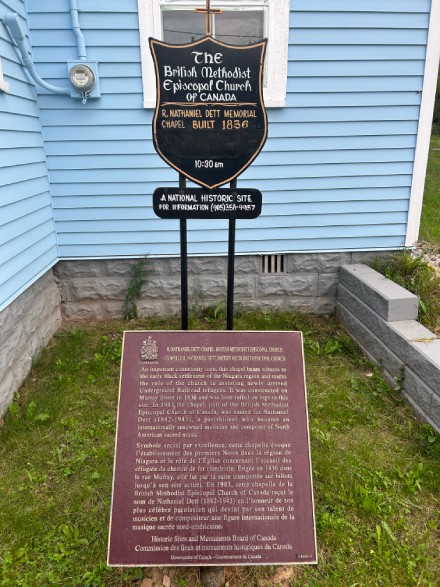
[210,122]
[212,461]
[200,203]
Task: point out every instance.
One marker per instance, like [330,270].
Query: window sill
[4,86]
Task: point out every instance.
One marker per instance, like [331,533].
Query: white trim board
[425,125]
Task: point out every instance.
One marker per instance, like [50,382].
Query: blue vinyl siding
[336,170]
[27,232]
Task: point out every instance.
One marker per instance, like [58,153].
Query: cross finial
[208,11]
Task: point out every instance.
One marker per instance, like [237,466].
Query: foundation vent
[273,264]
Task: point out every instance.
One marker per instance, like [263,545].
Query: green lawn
[376,469]
[430,223]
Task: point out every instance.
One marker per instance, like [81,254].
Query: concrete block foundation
[26,326]
[96,289]
[381,317]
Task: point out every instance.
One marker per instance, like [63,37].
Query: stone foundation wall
[96,289]
[26,326]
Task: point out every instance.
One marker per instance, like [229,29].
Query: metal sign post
[183,262]
[209,124]
[198,203]
[231,270]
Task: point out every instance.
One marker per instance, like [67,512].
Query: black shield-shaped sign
[210,122]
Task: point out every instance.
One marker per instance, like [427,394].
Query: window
[242,22]
[236,27]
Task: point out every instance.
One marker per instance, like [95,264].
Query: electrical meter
[82,78]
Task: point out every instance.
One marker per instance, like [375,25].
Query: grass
[376,469]
[430,222]
[417,276]
[414,273]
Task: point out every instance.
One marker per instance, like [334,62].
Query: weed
[43,562]
[214,314]
[412,479]
[311,345]
[14,408]
[367,498]
[399,379]
[266,316]
[109,351]
[378,536]
[43,417]
[334,520]
[323,436]
[417,276]
[95,577]
[139,277]
[432,437]
[34,479]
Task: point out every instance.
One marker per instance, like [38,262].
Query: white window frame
[150,25]
[4,85]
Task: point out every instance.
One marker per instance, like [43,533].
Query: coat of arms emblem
[149,350]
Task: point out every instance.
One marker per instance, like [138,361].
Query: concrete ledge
[379,316]
[389,300]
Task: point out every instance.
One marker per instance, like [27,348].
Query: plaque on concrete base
[212,460]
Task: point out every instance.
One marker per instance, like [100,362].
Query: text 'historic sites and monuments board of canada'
[212,463]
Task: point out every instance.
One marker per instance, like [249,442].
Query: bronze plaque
[212,460]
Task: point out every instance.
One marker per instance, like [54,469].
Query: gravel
[430,254]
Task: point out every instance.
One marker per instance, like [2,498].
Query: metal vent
[273,264]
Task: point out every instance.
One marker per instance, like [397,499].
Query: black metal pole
[183,263]
[231,269]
